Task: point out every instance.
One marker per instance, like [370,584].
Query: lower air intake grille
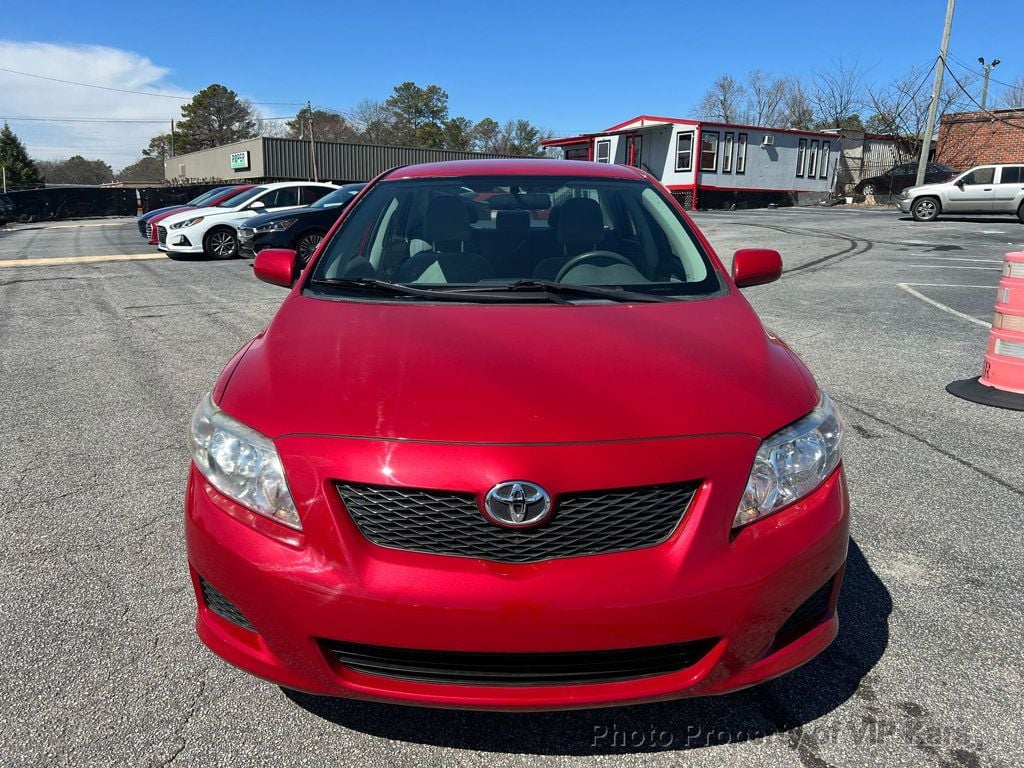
[477,668]
[223,607]
[811,610]
[161,235]
[448,523]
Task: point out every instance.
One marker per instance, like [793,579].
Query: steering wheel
[586,256]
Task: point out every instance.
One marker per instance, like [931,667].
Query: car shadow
[1010,219]
[782,705]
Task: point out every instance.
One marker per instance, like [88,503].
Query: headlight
[241,463]
[792,463]
[187,223]
[275,226]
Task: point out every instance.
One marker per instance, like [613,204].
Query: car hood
[517,373]
[924,188]
[193,212]
[266,218]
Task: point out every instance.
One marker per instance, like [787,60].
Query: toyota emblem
[517,504]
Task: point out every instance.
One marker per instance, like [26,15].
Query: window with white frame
[684,151]
[727,153]
[741,153]
[709,151]
[801,157]
[826,147]
[812,160]
[604,150]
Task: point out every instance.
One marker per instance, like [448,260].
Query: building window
[727,154]
[812,160]
[709,151]
[684,151]
[604,150]
[741,153]
[577,153]
[801,157]
[825,149]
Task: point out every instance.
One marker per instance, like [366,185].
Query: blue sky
[566,67]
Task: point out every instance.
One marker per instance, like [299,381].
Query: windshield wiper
[397,289]
[552,287]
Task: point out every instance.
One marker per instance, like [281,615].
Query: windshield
[241,198]
[443,233]
[338,197]
[207,196]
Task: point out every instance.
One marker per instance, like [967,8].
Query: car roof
[515,167]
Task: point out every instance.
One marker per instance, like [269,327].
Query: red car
[538,462]
[215,197]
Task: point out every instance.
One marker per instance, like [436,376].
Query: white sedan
[214,230]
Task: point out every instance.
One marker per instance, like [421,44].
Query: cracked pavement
[102,363]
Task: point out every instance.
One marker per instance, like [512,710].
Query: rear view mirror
[755,266]
[275,266]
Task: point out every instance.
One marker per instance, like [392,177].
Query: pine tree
[19,168]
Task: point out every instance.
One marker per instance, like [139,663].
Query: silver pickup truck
[995,189]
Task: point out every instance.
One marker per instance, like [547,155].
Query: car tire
[925,209]
[306,245]
[1020,213]
[869,190]
[220,243]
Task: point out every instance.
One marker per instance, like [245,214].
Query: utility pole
[172,137]
[312,141]
[940,68]
[988,71]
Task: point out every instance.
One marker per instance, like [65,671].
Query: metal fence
[52,203]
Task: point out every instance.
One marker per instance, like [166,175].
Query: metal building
[272,159]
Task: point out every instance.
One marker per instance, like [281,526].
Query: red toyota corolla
[514,440]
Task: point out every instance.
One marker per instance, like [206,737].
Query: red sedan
[515,441]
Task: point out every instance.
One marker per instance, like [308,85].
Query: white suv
[984,189]
[214,230]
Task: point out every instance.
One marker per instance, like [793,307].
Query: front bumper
[904,204]
[246,248]
[303,592]
[186,240]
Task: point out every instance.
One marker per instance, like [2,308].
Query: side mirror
[755,266]
[257,205]
[959,183]
[275,266]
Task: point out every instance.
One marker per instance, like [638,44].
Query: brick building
[967,139]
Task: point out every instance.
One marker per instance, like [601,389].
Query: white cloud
[117,143]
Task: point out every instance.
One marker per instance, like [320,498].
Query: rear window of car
[1012,174]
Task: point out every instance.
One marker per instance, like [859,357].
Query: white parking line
[939,305]
[100,224]
[944,266]
[957,258]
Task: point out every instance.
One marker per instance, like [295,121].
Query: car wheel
[220,244]
[869,189]
[1020,213]
[925,209]
[307,245]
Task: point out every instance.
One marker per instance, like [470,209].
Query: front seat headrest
[446,220]
[580,221]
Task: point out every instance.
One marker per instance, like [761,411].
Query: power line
[981,74]
[992,115]
[137,93]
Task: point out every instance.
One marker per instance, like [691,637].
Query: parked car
[902,176]
[213,230]
[997,189]
[6,209]
[211,198]
[301,229]
[516,462]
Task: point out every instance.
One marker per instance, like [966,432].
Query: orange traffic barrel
[1002,379]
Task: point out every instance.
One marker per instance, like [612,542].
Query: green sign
[240,161]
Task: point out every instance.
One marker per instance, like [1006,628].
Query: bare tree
[838,94]
[1013,96]
[797,110]
[724,101]
[374,122]
[767,94]
[900,108]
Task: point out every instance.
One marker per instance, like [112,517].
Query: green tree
[77,170]
[215,116]
[18,167]
[418,113]
[327,126]
[145,169]
[159,146]
[487,136]
[514,137]
[458,134]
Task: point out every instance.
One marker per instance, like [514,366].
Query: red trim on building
[652,118]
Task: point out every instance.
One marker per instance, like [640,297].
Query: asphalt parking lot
[106,347]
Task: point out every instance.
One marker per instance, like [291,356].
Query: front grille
[811,611]
[479,668]
[223,607]
[143,228]
[161,235]
[447,523]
